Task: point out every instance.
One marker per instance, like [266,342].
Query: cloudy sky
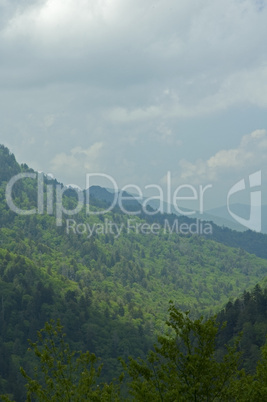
[135,89]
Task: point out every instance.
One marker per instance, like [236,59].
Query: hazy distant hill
[220,218]
[128,202]
[241,210]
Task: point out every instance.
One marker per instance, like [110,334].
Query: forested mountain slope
[246,314]
[110,289]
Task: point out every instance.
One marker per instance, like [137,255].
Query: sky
[136,89]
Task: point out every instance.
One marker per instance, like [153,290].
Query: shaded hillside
[247,315]
[32,295]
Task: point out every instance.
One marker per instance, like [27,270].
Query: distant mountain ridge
[220,215]
[229,233]
[127,201]
[223,219]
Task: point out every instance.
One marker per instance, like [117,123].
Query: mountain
[120,200]
[219,216]
[101,194]
[241,210]
[247,314]
[107,276]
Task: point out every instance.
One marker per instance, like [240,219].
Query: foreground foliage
[182,367]
[62,374]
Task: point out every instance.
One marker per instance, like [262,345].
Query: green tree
[183,366]
[64,375]
[247,388]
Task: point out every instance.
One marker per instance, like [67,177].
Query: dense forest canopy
[111,292]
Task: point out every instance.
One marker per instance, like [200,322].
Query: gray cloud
[141,78]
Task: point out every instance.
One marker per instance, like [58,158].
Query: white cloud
[250,153]
[78,162]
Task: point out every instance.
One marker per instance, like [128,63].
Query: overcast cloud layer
[135,89]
